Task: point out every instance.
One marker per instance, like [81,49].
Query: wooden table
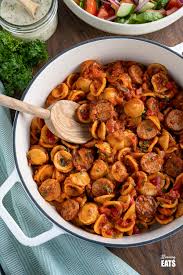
[71,30]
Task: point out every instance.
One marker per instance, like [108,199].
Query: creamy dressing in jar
[15,19]
[15,13]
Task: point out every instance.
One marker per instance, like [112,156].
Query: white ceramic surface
[127,29]
[104,50]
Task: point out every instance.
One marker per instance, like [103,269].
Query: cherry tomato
[174,4]
[105,13]
[170,11]
[91,6]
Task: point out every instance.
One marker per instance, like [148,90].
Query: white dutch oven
[104,50]
[117,28]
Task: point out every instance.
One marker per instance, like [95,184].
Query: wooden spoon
[60,118]
[30,6]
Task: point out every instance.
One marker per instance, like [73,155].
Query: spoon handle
[24,107]
[30,6]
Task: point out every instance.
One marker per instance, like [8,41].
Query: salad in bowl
[130,11]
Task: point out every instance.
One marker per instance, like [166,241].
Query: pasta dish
[130,174]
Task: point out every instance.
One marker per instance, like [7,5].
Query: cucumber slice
[125,9]
[148,16]
[148,6]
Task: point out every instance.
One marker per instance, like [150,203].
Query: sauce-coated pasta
[130,174]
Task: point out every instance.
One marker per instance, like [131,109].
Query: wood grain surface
[146,259]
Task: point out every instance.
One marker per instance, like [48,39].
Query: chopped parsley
[63,162]
[140,226]
[163,190]
[144,113]
[81,4]
[107,189]
[144,145]
[17,59]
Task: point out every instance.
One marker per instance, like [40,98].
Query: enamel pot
[55,71]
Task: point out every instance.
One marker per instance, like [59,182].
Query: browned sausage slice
[173,166]
[151,163]
[102,187]
[178,101]
[145,207]
[50,189]
[174,120]
[147,129]
[101,110]
[69,209]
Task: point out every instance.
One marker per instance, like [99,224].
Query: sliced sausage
[50,189]
[147,129]
[136,73]
[83,159]
[69,209]
[178,102]
[145,207]
[173,166]
[151,163]
[174,120]
[101,110]
[102,187]
[114,71]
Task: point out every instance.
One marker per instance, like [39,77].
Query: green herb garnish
[163,190]
[107,189]
[63,162]
[161,4]
[81,4]
[144,145]
[17,59]
[140,226]
[149,129]
[144,113]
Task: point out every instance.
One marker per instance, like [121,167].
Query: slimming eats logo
[168,261]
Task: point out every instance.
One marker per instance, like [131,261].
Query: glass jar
[42,29]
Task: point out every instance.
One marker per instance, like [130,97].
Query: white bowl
[105,50]
[117,28]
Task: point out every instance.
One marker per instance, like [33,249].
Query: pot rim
[16,161]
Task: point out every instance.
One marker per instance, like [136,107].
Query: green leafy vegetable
[140,226]
[144,145]
[17,59]
[145,17]
[120,20]
[81,4]
[132,19]
[161,4]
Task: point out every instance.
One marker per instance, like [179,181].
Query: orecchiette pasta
[130,174]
